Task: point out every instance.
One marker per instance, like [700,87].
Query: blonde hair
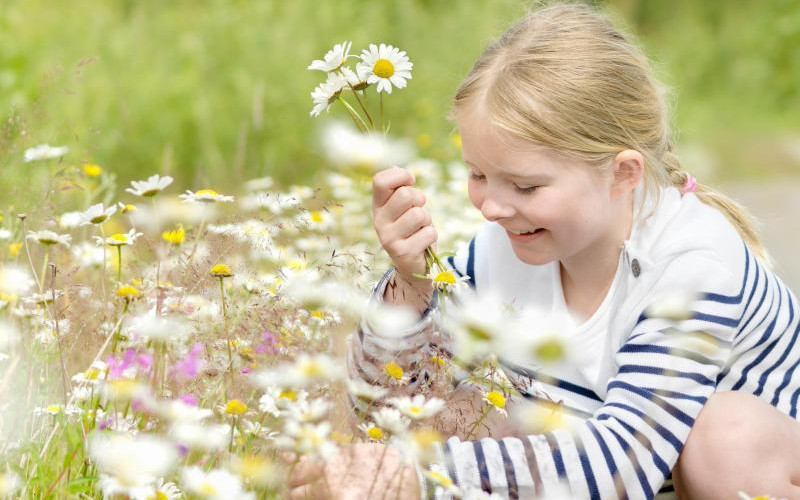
[564,77]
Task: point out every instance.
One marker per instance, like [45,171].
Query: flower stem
[119,264]
[478,422]
[360,123]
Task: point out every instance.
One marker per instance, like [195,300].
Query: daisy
[151,187]
[153,326]
[306,370]
[307,438]
[366,392]
[334,58]
[46,237]
[119,239]
[326,93]
[132,460]
[88,255]
[199,436]
[385,65]
[205,196]
[9,482]
[416,408]
[97,214]
[216,484]
[372,431]
[390,419]
[68,220]
[45,152]
[497,400]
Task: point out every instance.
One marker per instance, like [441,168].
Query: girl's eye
[525,190]
[477,177]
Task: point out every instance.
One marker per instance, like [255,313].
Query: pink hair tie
[691,184]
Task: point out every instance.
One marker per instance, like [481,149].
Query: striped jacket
[642,381]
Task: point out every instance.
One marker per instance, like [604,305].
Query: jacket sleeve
[667,369]
[415,350]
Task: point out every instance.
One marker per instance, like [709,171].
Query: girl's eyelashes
[519,189]
[525,190]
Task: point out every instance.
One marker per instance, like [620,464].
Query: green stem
[44,266]
[478,422]
[197,237]
[119,264]
[360,123]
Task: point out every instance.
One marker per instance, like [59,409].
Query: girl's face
[552,207]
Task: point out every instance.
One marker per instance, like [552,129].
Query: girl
[566,135]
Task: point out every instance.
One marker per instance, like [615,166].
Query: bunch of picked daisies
[384,66]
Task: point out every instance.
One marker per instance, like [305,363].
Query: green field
[215,91]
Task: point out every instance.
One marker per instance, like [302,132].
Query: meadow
[182,265]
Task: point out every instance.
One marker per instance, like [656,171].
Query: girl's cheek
[475,195]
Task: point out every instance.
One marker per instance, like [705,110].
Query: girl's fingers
[414,245]
[304,492]
[409,223]
[386,181]
[403,199]
[306,471]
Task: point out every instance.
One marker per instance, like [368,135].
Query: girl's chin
[533,258]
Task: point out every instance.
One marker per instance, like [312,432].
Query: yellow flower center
[221,271]
[235,407]
[393,370]
[445,277]
[175,236]
[318,313]
[53,409]
[550,350]
[92,170]
[425,438]
[98,219]
[375,433]
[316,216]
[160,495]
[127,292]
[288,394]
[439,478]
[14,249]
[383,68]
[120,237]
[311,369]
[92,374]
[414,409]
[128,208]
[209,192]
[497,399]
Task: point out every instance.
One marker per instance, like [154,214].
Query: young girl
[566,135]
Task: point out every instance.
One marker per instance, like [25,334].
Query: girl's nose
[494,209]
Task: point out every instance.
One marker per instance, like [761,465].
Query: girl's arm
[627,449]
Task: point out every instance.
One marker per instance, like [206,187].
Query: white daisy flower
[46,237]
[68,220]
[14,280]
[177,410]
[259,184]
[9,482]
[364,391]
[204,196]
[346,147]
[307,438]
[166,491]
[198,436]
[9,335]
[327,92]
[151,187]
[97,214]
[334,58]
[5,234]
[119,239]
[88,255]
[216,484]
[152,326]
[304,371]
[45,152]
[390,419]
[385,65]
[132,460]
[417,408]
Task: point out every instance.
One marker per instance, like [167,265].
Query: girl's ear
[627,170]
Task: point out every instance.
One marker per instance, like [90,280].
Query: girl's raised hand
[404,227]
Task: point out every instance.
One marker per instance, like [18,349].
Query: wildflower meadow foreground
[164,345]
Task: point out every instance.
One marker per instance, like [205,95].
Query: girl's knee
[749,442]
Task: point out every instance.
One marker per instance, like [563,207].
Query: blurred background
[214,92]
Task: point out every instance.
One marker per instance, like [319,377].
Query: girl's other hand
[404,227]
[355,472]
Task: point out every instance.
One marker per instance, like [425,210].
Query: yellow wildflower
[175,236]
[496,399]
[127,208]
[393,370]
[375,433]
[92,170]
[221,271]
[14,248]
[128,292]
[235,407]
